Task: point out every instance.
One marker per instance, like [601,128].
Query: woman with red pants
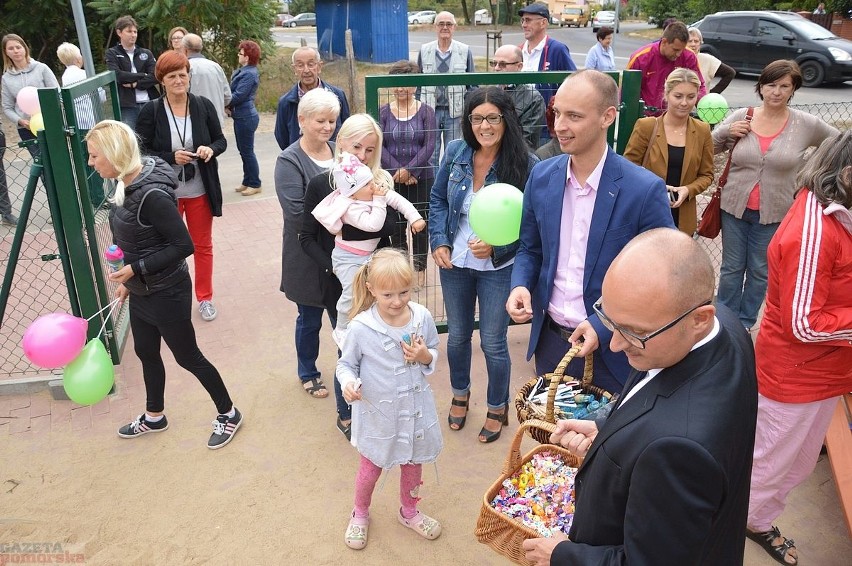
[184,131]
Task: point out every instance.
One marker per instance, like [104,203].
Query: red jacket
[804,348]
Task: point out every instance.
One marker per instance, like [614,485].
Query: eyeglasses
[445,24]
[630,337]
[308,65]
[477,119]
[503,64]
[531,20]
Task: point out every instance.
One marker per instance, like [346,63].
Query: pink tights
[409,486]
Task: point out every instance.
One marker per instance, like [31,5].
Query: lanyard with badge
[186,173]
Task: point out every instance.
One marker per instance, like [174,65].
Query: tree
[222,23]
[54,25]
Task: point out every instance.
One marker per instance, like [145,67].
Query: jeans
[308,326]
[744,243]
[448,129]
[244,129]
[130,114]
[462,288]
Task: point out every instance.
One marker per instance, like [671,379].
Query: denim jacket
[454,180]
[244,83]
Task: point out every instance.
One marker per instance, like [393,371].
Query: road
[579,40]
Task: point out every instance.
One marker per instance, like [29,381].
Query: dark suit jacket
[155,133]
[666,481]
[630,200]
[697,170]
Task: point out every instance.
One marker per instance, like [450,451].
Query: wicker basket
[528,411]
[502,533]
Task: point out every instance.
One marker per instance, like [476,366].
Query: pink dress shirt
[566,305]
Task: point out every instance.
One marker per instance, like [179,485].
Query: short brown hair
[604,32]
[404,67]
[777,70]
[169,62]
[251,50]
[125,22]
[676,31]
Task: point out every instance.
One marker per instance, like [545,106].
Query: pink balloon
[55,339]
[28,100]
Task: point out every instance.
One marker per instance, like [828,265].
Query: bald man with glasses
[529,103]
[666,474]
[445,55]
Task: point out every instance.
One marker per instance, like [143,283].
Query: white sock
[230,414]
[151,419]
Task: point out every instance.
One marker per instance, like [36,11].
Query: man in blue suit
[579,212]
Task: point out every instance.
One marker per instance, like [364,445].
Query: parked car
[282,19]
[482,18]
[604,19]
[422,17]
[303,19]
[748,41]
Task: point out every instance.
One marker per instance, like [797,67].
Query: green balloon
[713,108]
[90,376]
[495,214]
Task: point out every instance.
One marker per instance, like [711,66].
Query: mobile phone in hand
[672,196]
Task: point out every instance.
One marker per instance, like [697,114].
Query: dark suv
[748,41]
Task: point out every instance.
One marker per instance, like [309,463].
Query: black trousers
[180,338]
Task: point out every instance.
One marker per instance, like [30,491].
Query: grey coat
[396,422]
[299,273]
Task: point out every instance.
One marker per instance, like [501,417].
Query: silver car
[604,19]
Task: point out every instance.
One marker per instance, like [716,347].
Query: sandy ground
[282,491]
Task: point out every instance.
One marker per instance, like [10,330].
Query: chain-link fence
[56,227]
[837,114]
[417,148]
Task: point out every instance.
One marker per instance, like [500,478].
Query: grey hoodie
[36,74]
[396,421]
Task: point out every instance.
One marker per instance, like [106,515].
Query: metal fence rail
[52,260]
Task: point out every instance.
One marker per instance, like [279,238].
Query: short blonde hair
[69,54]
[318,100]
[118,143]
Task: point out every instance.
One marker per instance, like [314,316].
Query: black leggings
[180,338]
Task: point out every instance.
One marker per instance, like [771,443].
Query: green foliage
[222,23]
[299,6]
[53,25]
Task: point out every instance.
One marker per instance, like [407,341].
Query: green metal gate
[52,260]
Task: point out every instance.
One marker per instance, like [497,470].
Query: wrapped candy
[540,494]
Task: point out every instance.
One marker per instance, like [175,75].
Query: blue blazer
[630,200]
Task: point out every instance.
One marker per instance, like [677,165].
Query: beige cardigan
[775,170]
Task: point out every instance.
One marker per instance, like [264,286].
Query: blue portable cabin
[379,29]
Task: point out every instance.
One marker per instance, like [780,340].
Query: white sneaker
[207,310]
[339,335]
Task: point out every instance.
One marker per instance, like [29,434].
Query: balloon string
[111,308]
